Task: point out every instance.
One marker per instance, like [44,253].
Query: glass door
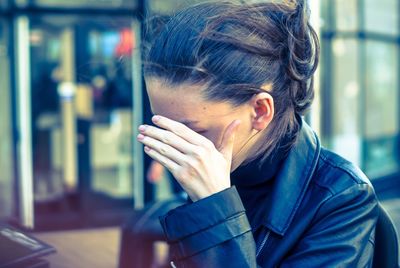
[7,208]
[80,103]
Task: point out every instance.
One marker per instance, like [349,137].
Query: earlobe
[263,105]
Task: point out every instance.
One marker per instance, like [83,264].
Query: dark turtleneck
[254,181]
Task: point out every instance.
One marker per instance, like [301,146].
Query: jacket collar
[292,180]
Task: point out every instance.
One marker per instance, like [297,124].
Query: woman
[228,84]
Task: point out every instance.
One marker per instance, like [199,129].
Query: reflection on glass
[324,15]
[346,115]
[346,15]
[3,4]
[381,16]
[382,77]
[46,73]
[110,54]
[381,156]
[382,105]
[87,3]
[82,79]
[166,7]
[6,177]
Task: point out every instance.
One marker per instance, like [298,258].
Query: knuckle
[191,171]
[179,131]
[186,173]
[199,153]
[192,163]
[181,174]
[149,130]
[163,150]
[164,138]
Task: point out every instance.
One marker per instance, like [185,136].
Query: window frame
[328,34]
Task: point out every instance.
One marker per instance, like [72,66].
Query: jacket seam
[352,175]
[324,187]
[189,202]
[324,202]
[236,215]
[198,252]
[310,172]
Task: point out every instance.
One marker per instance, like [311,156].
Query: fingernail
[147,149]
[156,118]
[140,137]
[142,128]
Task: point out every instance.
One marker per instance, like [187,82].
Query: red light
[126,43]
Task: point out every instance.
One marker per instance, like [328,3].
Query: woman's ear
[263,110]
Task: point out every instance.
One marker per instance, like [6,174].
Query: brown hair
[236,49]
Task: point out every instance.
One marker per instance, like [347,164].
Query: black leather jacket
[323,212]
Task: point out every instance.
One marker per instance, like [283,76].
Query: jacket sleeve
[211,232]
[342,234]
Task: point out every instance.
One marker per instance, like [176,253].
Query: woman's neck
[250,150]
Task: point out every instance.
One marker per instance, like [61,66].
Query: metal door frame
[21,83]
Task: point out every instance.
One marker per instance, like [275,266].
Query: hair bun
[302,56]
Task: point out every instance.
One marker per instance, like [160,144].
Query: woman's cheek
[209,135]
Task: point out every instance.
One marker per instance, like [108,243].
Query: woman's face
[185,104]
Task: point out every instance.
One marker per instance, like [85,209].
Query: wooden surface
[84,248]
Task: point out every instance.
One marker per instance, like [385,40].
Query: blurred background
[72,95]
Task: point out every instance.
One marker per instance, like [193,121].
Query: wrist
[199,196]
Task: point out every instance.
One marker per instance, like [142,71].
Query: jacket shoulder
[336,174]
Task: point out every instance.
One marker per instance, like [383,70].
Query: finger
[167,137]
[166,162]
[162,148]
[226,147]
[179,129]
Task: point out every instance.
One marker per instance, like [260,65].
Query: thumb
[226,147]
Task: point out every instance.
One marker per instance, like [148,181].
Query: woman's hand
[199,167]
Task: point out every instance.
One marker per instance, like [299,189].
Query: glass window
[346,107]
[346,15]
[382,78]
[381,16]
[364,102]
[3,4]
[168,7]
[382,106]
[324,15]
[6,164]
[82,101]
[87,3]
[20,3]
